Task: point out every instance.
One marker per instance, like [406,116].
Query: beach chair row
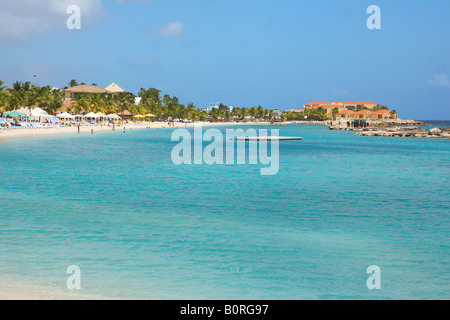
[22,126]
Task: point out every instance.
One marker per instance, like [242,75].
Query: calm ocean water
[140,227]
[437,123]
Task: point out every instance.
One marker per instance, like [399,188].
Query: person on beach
[78,128]
[92,131]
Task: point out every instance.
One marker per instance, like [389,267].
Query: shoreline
[27,133]
[14,134]
[13,289]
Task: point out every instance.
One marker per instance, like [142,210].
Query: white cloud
[173,29]
[439,80]
[19,19]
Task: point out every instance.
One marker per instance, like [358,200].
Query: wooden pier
[267,138]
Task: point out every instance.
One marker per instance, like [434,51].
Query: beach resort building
[366,114]
[352,110]
[276,115]
[297,110]
[114,87]
[346,104]
[70,94]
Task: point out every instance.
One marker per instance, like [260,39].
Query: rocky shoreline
[405,128]
[412,132]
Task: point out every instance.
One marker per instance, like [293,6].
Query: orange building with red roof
[346,110]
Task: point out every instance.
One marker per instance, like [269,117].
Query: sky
[277,54]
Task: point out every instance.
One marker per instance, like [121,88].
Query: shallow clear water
[140,227]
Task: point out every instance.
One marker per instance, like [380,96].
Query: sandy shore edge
[17,290]
[8,134]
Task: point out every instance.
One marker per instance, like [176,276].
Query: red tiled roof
[331,106]
[382,111]
[345,102]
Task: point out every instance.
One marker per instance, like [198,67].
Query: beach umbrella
[50,118]
[37,114]
[125,113]
[149,115]
[114,116]
[139,116]
[91,115]
[65,115]
[14,114]
[38,111]
[101,115]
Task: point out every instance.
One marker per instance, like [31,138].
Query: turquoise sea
[140,227]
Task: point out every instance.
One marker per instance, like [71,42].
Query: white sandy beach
[7,134]
[54,131]
[15,290]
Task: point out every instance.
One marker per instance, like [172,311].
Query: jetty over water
[267,138]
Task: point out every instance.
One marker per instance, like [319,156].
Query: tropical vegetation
[152,102]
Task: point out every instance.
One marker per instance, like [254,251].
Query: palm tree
[335,112]
[124,101]
[54,104]
[190,108]
[260,112]
[394,114]
[43,98]
[81,104]
[2,87]
[96,103]
[72,83]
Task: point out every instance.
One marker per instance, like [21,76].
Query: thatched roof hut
[87,89]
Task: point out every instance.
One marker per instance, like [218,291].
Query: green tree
[72,83]
[190,109]
[335,112]
[54,104]
[2,87]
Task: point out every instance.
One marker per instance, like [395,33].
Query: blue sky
[278,54]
